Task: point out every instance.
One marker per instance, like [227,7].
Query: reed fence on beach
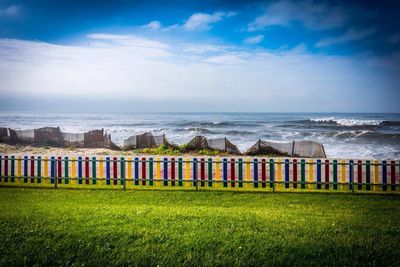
[268,174]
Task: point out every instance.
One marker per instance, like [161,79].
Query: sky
[200,56]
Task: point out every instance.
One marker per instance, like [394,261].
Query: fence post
[12,169]
[335,175]
[287,183]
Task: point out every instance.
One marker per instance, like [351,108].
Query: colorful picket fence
[227,173]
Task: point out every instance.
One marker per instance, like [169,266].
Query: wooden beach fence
[262,174]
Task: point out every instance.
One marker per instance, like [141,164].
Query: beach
[344,135]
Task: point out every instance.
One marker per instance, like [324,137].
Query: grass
[138,227]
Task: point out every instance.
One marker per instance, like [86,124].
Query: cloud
[203,21]
[10,12]
[153,25]
[254,39]
[312,16]
[128,67]
[349,36]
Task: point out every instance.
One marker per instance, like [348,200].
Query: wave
[332,121]
[347,122]
[215,124]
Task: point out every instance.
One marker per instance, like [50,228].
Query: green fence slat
[151,171]
[210,172]
[122,170]
[66,174]
[303,173]
[94,170]
[39,169]
[180,172]
[272,173]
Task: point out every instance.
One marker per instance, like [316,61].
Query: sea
[344,135]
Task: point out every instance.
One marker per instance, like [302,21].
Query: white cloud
[137,68]
[254,39]
[349,36]
[312,16]
[203,21]
[9,12]
[153,25]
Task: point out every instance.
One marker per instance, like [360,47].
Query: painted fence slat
[384,175]
[217,173]
[359,175]
[272,174]
[66,174]
[295,173]
[233,173]
[255,173]
[195,172]
[351,175]
[25,170]
[172,171]
[319,174]
[335,174]
[80,169]
[263,174]
[368,174]
[39,170]
[6,168]
[310,174]
[94,171]
[279,172]
[202,172]
[187,172]
[240,173]
[165,171]
[87,176]
[122,171]
[210,172]
[12,168]
[287,184]
[392,176]
[32,167]
[248,179]
[144,171]
[115,170]
[225,172]
[342,174]
[180,172]
[108,171]
[376,175]
[158,171]
[327,174]
[303,173]
[136,171]
[151,175]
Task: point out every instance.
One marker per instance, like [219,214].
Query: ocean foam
[348,122]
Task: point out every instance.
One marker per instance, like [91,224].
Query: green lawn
[103,227]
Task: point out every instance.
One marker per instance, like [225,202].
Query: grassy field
[109,227]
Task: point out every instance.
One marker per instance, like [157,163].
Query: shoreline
[23,150]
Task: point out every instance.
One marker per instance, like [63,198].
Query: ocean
[344,135]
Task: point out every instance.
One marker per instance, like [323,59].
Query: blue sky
[310,56]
